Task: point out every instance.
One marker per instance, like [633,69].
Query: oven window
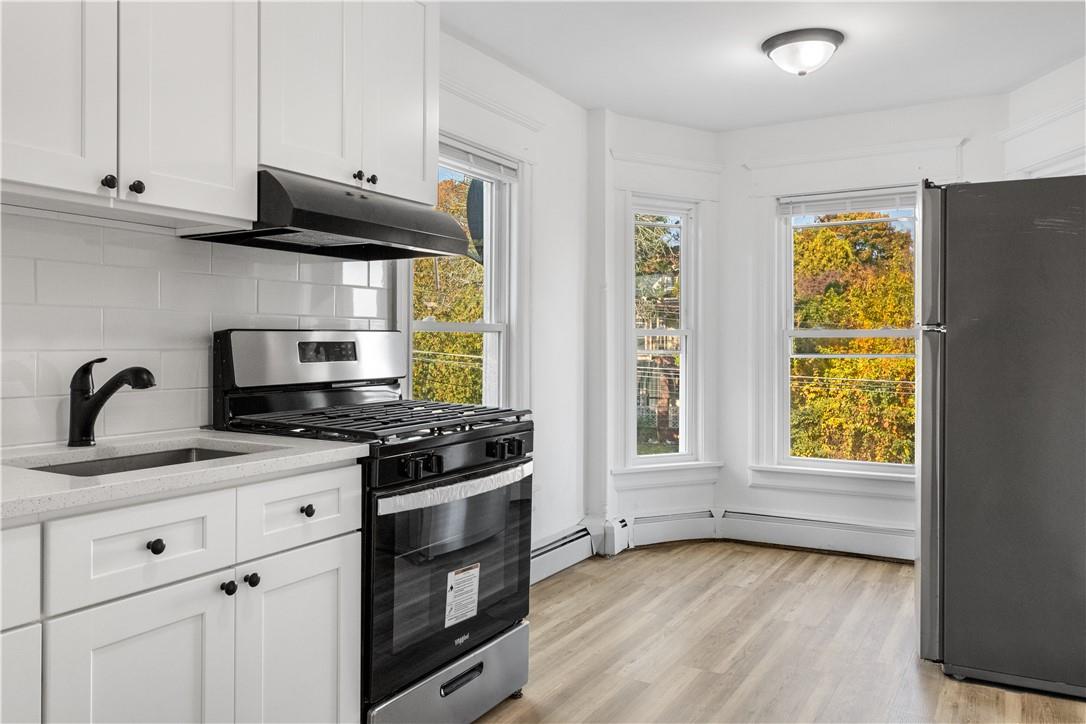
[447,577]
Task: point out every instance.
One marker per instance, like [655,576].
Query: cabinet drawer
[271,517]
[104,555]
[20,576]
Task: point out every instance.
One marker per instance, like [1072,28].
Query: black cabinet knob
[229,588]
[359,175]
[253,579]
[307,510]
[156,546]
[137,187]
[109,181]
[372,179]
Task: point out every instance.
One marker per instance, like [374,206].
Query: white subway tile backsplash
[334,323]
[74,291]
[156,409]
[324,270]
[55,369]
[240,261]
[96,286]
[18,280]
[359,302]
[26,420]
[185,369]
[252,321]
[18,374]
[155,329]
[207,293]
[155,251]
[44,238]
[295,298]
[30,327]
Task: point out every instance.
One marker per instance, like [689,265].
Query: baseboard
[649,529]
[561,552]
[865,539]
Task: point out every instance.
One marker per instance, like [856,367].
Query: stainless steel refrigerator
[1002,432]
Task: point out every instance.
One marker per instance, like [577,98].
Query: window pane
[853,345]
[447,366]
[658,405]
[452,289]
[853,276]
[853,409]
[657,258]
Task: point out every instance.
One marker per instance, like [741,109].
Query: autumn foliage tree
[853,276]
[448,365]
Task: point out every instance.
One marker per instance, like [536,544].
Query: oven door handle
[432,497]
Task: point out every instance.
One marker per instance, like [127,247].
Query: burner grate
[380,420]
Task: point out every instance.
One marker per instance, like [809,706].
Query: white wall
[1046,119]
[492,106]
[73,291]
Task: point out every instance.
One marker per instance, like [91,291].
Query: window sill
[836,473]
[657,467]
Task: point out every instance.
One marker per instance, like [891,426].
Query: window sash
[684,333]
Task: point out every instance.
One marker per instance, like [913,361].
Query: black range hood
[313,216]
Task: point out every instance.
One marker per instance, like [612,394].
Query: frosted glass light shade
[800,52]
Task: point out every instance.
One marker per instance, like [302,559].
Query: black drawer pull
[253,579]
[307,510]
[229,588]
[462,679]
[156,546]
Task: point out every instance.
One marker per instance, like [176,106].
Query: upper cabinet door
[400,126]
[60,94]
[311,87]
[188,105]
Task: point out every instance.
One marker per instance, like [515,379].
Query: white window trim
[507,278]
[776,445]
[689,429]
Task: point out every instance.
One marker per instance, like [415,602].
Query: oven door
[449,569]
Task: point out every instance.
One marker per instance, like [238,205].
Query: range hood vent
[313,216]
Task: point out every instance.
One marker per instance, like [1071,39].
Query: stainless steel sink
[124,463]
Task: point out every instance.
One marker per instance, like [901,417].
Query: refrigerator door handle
[931,289]
[930,464]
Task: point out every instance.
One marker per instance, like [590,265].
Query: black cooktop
[377,421]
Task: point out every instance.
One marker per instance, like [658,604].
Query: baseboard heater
[561,553]
[814,534]
[691,525]
[816,523]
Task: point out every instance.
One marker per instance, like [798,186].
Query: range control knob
[434,463]
[496,449]
[514,447]
[412,468]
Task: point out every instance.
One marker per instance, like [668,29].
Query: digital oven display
[327,352]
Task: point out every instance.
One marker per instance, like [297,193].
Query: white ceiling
[700,64]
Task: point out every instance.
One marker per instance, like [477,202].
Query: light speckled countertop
[28,496]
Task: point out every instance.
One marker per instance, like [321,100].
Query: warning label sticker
[462,594]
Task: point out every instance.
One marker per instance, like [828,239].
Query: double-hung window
[848,346]
[661,330]
[459,305]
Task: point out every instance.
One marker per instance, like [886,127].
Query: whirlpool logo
[461,639]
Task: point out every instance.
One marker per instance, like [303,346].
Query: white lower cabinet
[162,656]
[299,635]
[20,675]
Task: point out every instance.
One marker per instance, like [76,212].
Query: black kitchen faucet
[86,403]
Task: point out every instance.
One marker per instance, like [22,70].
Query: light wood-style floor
[715,631]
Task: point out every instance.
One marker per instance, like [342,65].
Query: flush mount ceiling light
[800,52]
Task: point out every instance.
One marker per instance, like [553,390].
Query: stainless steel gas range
[448,514]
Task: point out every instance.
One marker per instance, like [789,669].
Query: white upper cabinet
[107,98]
[349,93]
[188,105]
[60,94]
[400,92]
[311,87]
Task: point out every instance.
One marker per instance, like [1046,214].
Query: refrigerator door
[1014,534]
[931,289]
[930,463]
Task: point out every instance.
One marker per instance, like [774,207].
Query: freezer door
[1014,534]
[931,290]
[930,463]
